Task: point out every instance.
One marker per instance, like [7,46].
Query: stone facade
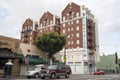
[10,43]
[9,48]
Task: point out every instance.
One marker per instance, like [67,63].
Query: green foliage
[51,43]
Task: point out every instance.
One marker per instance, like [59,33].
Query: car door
[59,70]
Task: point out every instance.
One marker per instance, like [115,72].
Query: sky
[13,14]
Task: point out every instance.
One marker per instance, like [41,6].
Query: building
[79,26]
[10,49]
[32,57]
[29,31]
[109,63]
[49,23]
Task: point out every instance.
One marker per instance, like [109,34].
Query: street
[74,77]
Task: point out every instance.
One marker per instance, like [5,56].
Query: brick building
[29,31]
[49,23]
[81,51]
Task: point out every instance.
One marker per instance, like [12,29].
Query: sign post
[27,59]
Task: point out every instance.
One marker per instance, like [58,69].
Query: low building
[9,49]
[108,63]
[32,57]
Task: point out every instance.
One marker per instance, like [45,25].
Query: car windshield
[37,68]
[53,67]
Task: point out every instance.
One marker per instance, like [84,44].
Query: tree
[51,43]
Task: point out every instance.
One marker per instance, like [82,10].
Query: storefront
[9,49]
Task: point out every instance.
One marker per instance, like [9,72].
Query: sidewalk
[12,77]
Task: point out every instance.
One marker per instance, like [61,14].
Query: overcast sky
[13,13]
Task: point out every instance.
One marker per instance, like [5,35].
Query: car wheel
[28,77]
[67,75]
[53,76]
[36,75]
[42,77]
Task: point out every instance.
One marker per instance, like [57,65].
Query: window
[50,28]
[64,18]
[77,28]
[72,29]
[68,29]
[77,14]
[64,25]
[51,22]
[71,22]
[71,35]
[57,28]
[77,21]
[41,30]
[46,22]
[71,42]
[68,42]
[30,38]
[68,36]
[78,41]
[63,31]
[41,25]
[30,33]
[77,35]
[70,15]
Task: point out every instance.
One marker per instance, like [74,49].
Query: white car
[35,72]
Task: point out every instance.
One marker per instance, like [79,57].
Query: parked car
[35,72]
[99,72]
[55,71]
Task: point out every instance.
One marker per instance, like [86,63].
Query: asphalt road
[74,77]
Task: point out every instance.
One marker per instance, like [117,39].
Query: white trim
[71,20]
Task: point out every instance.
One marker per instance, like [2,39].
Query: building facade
[79,26]
[29,31]
[10,50]
[49,23]
[109,63]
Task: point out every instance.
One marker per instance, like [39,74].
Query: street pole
[27,63]
[65,55]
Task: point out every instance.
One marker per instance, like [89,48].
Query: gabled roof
[46,15]
[68,6]
[27,22]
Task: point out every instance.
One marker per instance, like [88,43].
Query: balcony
[90,32]
[90,38]
[91,53]
[28,30]
[22,31]
[26,35]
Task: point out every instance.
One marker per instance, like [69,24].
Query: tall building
[79,26]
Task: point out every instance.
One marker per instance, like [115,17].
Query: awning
[33,60]
[7,54]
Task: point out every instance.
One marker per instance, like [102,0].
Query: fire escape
[26,34]
[91,45]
